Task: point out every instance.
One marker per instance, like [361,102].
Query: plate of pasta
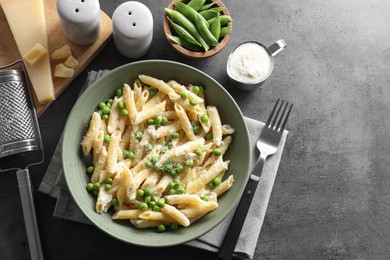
[156,153]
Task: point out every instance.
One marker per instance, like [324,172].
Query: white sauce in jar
[250,63]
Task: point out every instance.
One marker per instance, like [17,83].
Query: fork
[267,144]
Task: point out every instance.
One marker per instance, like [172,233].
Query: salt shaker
[80,20]
[132,24]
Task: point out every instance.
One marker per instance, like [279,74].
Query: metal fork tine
[277,115]
[286,118]
[272,113]
[281,117]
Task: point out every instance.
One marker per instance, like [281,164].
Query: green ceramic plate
[103,89]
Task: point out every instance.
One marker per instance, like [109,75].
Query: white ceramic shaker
[132,24]
[80,20]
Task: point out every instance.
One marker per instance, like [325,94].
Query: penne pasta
[158,173]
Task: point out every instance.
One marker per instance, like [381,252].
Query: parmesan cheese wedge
[27,21]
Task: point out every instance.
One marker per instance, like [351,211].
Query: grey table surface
[331,199]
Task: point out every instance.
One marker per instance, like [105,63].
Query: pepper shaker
[80,20]
[132,24]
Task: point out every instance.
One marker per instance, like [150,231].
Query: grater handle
[30,219]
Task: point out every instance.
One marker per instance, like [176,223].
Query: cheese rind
[26,18]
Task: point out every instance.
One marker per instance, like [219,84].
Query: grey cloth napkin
[54,185]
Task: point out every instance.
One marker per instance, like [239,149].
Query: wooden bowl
[195,54]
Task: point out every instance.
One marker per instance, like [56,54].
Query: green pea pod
[196,4]
[206,6]
[202,26]
[184,43]
[183,21]
[188,12]
[217,9]
[223,19]
[183,33]
[224,31]
[215,28]
[209,14]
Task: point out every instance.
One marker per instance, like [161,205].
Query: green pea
[177,181]
[125,112]
[196,129]
[148,191]
[109,105]
[150,121]
[152,91]
[196,89]
[148,164]
[101,105]
[105,117]
[224,31]
[138,134]
[148,148]
[179,168]
[107,138]
[110,101]
[118,92]
[120,104]
[205,198]
[161,202]
[217,152]
[201,89]
[209,136]
[90,186]
[199,151]
[196,4]
[152,204]
[189,162]
[106,110]
[217,181]
[193,102]
[96,186]
[90,169]
[164,120]
[159,119]
[140,193]
[182,20]
[204,30]
[181,190]
[171,191]
[154,159]
[143,206]
[171,185]
[131,155]
[95,192]
[183,95]
[169,145]
[174,227]
[174,135]
[109,180]
[204,118]
[115,202]
[156,208]
[160,228]
[211,185]
[108,186]
[148,199]
[183,33]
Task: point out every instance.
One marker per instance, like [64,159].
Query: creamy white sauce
[250,62]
